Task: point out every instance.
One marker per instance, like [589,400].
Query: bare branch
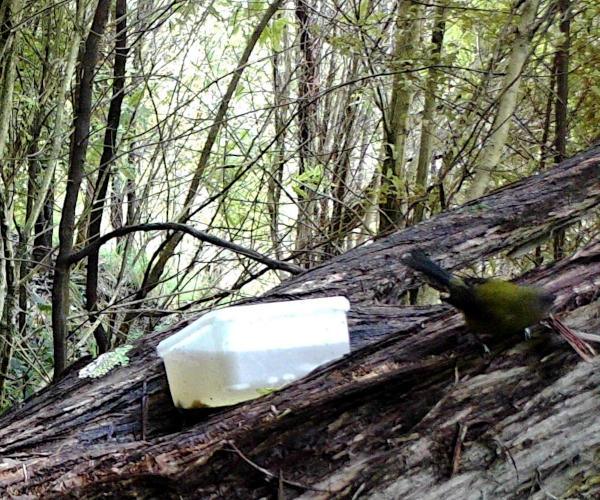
[196,233]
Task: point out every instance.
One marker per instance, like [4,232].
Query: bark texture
[420,413]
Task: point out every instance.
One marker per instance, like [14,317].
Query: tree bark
[25,255]
[42,206]
[308,86]
[281,81]
[420,413]
[11,15]
[340,157]
[545,146]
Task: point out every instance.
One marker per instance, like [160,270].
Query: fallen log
[419,414]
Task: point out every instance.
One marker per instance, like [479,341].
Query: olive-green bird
[489,305]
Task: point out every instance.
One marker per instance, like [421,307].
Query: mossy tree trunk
[428,127]
[395,121]
[10,15]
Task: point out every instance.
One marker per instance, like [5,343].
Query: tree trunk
[561,107]
[280,96]
[308,85]
[346,132]
[507,101]
[428,127]
[38,214]
[79,142]
[545,147]
[24,254]
[104,170]
[421,413]
[8,57]
[393,179]
[40,219]
[11,15]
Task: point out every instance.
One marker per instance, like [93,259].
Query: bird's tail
[417,260]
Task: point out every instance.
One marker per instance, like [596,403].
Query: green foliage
[112,261]
[106,362]
[272,36]
[394,185]
[312,180]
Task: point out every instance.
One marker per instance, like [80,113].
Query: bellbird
[489,305]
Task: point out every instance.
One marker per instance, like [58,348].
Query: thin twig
[460,437]
[144,408]
[269,475]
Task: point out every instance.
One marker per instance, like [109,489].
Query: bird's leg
[486,349]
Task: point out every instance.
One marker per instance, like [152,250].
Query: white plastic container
[242,352]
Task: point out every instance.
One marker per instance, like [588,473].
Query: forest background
[139,139]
